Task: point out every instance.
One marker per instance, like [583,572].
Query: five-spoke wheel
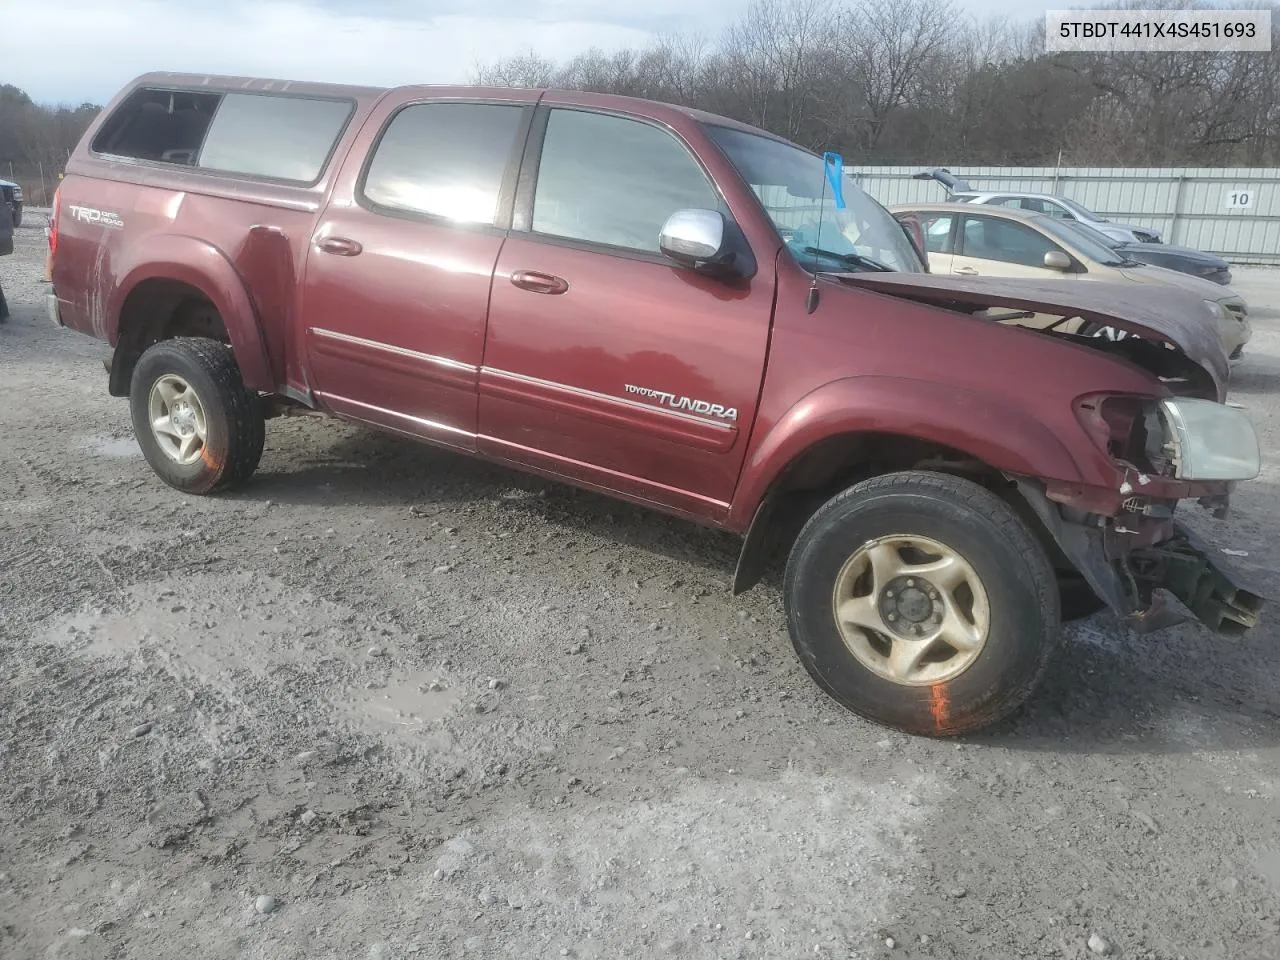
[198,426]
[911,609]
[922,601]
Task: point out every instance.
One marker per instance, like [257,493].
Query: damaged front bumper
[1127,561]
[1219,595]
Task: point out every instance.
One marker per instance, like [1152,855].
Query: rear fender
[988,429]
[203,266]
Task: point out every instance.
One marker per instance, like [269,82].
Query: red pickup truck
[678,310]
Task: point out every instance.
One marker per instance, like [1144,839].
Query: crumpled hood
[1160,313]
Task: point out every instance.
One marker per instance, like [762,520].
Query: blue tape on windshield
[835,176]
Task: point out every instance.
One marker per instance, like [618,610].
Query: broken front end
[1127,543]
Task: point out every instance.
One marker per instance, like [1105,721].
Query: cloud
[96,48]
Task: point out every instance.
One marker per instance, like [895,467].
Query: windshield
[789,184]
[1084,213]
[1091,244]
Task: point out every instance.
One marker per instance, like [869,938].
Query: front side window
[1081,213]
[445,160]
[611,180]
[285,138]
[990,238]
[791,185]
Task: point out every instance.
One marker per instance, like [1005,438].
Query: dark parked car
[6,248]
[1207,266]
[633,297]
[11,195]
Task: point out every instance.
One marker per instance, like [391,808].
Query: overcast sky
[90,48]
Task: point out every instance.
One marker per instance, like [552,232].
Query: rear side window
[445,160]
[937,232]
[285,138]
[166,126]
[611,180]
[259,135]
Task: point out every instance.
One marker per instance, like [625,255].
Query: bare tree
[887,45]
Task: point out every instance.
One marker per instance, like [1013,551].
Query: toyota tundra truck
[681,311]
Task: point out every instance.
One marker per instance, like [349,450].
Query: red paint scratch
[939,705]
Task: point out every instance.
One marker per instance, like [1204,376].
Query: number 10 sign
[1238,199]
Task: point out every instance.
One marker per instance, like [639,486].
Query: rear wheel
[199,427]
[922,601]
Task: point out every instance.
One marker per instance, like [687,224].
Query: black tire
[1012,566]
[234,419]
[17,218]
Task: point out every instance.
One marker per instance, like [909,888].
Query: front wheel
[921,601]
[199,427]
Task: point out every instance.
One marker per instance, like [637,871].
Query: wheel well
[155,310]
[838,462]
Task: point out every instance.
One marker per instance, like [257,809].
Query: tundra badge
[685,403]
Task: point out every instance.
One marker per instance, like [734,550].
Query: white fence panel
[1231,211]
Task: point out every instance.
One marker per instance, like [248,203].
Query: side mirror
[1057,260]
[707,241]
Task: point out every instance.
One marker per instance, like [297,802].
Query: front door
[397,283]
[995,247]
[605,361]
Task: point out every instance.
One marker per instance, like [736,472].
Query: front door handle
[539,282]
[965,271]
[339,246]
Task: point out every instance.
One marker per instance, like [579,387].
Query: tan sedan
[999,242]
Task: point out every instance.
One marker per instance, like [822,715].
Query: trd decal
[105,218]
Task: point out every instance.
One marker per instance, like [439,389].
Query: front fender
[199,264]
[984,427]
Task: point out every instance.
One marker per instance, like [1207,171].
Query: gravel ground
[389,702]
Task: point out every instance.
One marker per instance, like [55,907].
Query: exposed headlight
[1216,309]
[1209,441]
[17,193]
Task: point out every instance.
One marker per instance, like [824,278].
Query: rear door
[939,239]
[605,361]
[995,247]
[398,273]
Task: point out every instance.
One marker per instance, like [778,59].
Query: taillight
[53,221]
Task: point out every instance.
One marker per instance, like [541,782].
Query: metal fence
[1233,211]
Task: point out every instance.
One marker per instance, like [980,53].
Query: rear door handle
[539,282]
[339,246]
[965,271]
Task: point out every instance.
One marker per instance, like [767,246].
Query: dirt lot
[388,702]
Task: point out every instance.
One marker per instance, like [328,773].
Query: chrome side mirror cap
[707,241]
[692,237]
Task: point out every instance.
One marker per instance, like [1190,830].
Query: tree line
[920,82]
[36,140]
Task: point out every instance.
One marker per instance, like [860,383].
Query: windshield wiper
[850,259]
